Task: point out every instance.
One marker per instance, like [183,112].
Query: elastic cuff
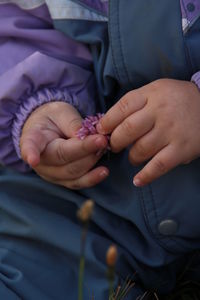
[196,79]
[29,105]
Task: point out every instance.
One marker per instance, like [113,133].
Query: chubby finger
[32,144]
[88,180]
[131,129]
[63,151]
[147,146]
[69,171]
[160,164]
[127,105]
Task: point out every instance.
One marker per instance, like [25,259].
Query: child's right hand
[50,146]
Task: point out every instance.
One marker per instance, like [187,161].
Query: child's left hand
[162,122]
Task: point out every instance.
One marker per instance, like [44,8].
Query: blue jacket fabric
[156,228]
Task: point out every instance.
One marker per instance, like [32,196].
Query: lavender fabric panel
[40,11]
[190,13]
[22,33]
[196,79]
[98,5]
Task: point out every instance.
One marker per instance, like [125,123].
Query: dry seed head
[111,256]
[84,213]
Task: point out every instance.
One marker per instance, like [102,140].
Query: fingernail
[100,128]
[104,173]
[137,182]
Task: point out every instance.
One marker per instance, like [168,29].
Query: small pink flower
[89,127]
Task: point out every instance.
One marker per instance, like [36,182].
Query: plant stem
[82,261]
[80,281]
[111,277]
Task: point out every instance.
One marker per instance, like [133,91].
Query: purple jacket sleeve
[196,79]
[38,65]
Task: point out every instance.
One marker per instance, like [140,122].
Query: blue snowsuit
[157,227]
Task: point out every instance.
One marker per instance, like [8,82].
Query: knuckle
[87,143]
[131,157]
[160,166]
[74,124]
[138,154]
[127,127]
[140,149]
[124,105]
[80,183]
[73,185]
[60,154]
[46,175]
[91,181]
[73,171]
[115,143]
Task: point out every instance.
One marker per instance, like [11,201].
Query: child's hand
[49,145]
[162,121]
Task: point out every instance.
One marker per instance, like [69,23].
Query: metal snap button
[168,227]
[190,7]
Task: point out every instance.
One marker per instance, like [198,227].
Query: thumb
[68,120]
[32,144]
